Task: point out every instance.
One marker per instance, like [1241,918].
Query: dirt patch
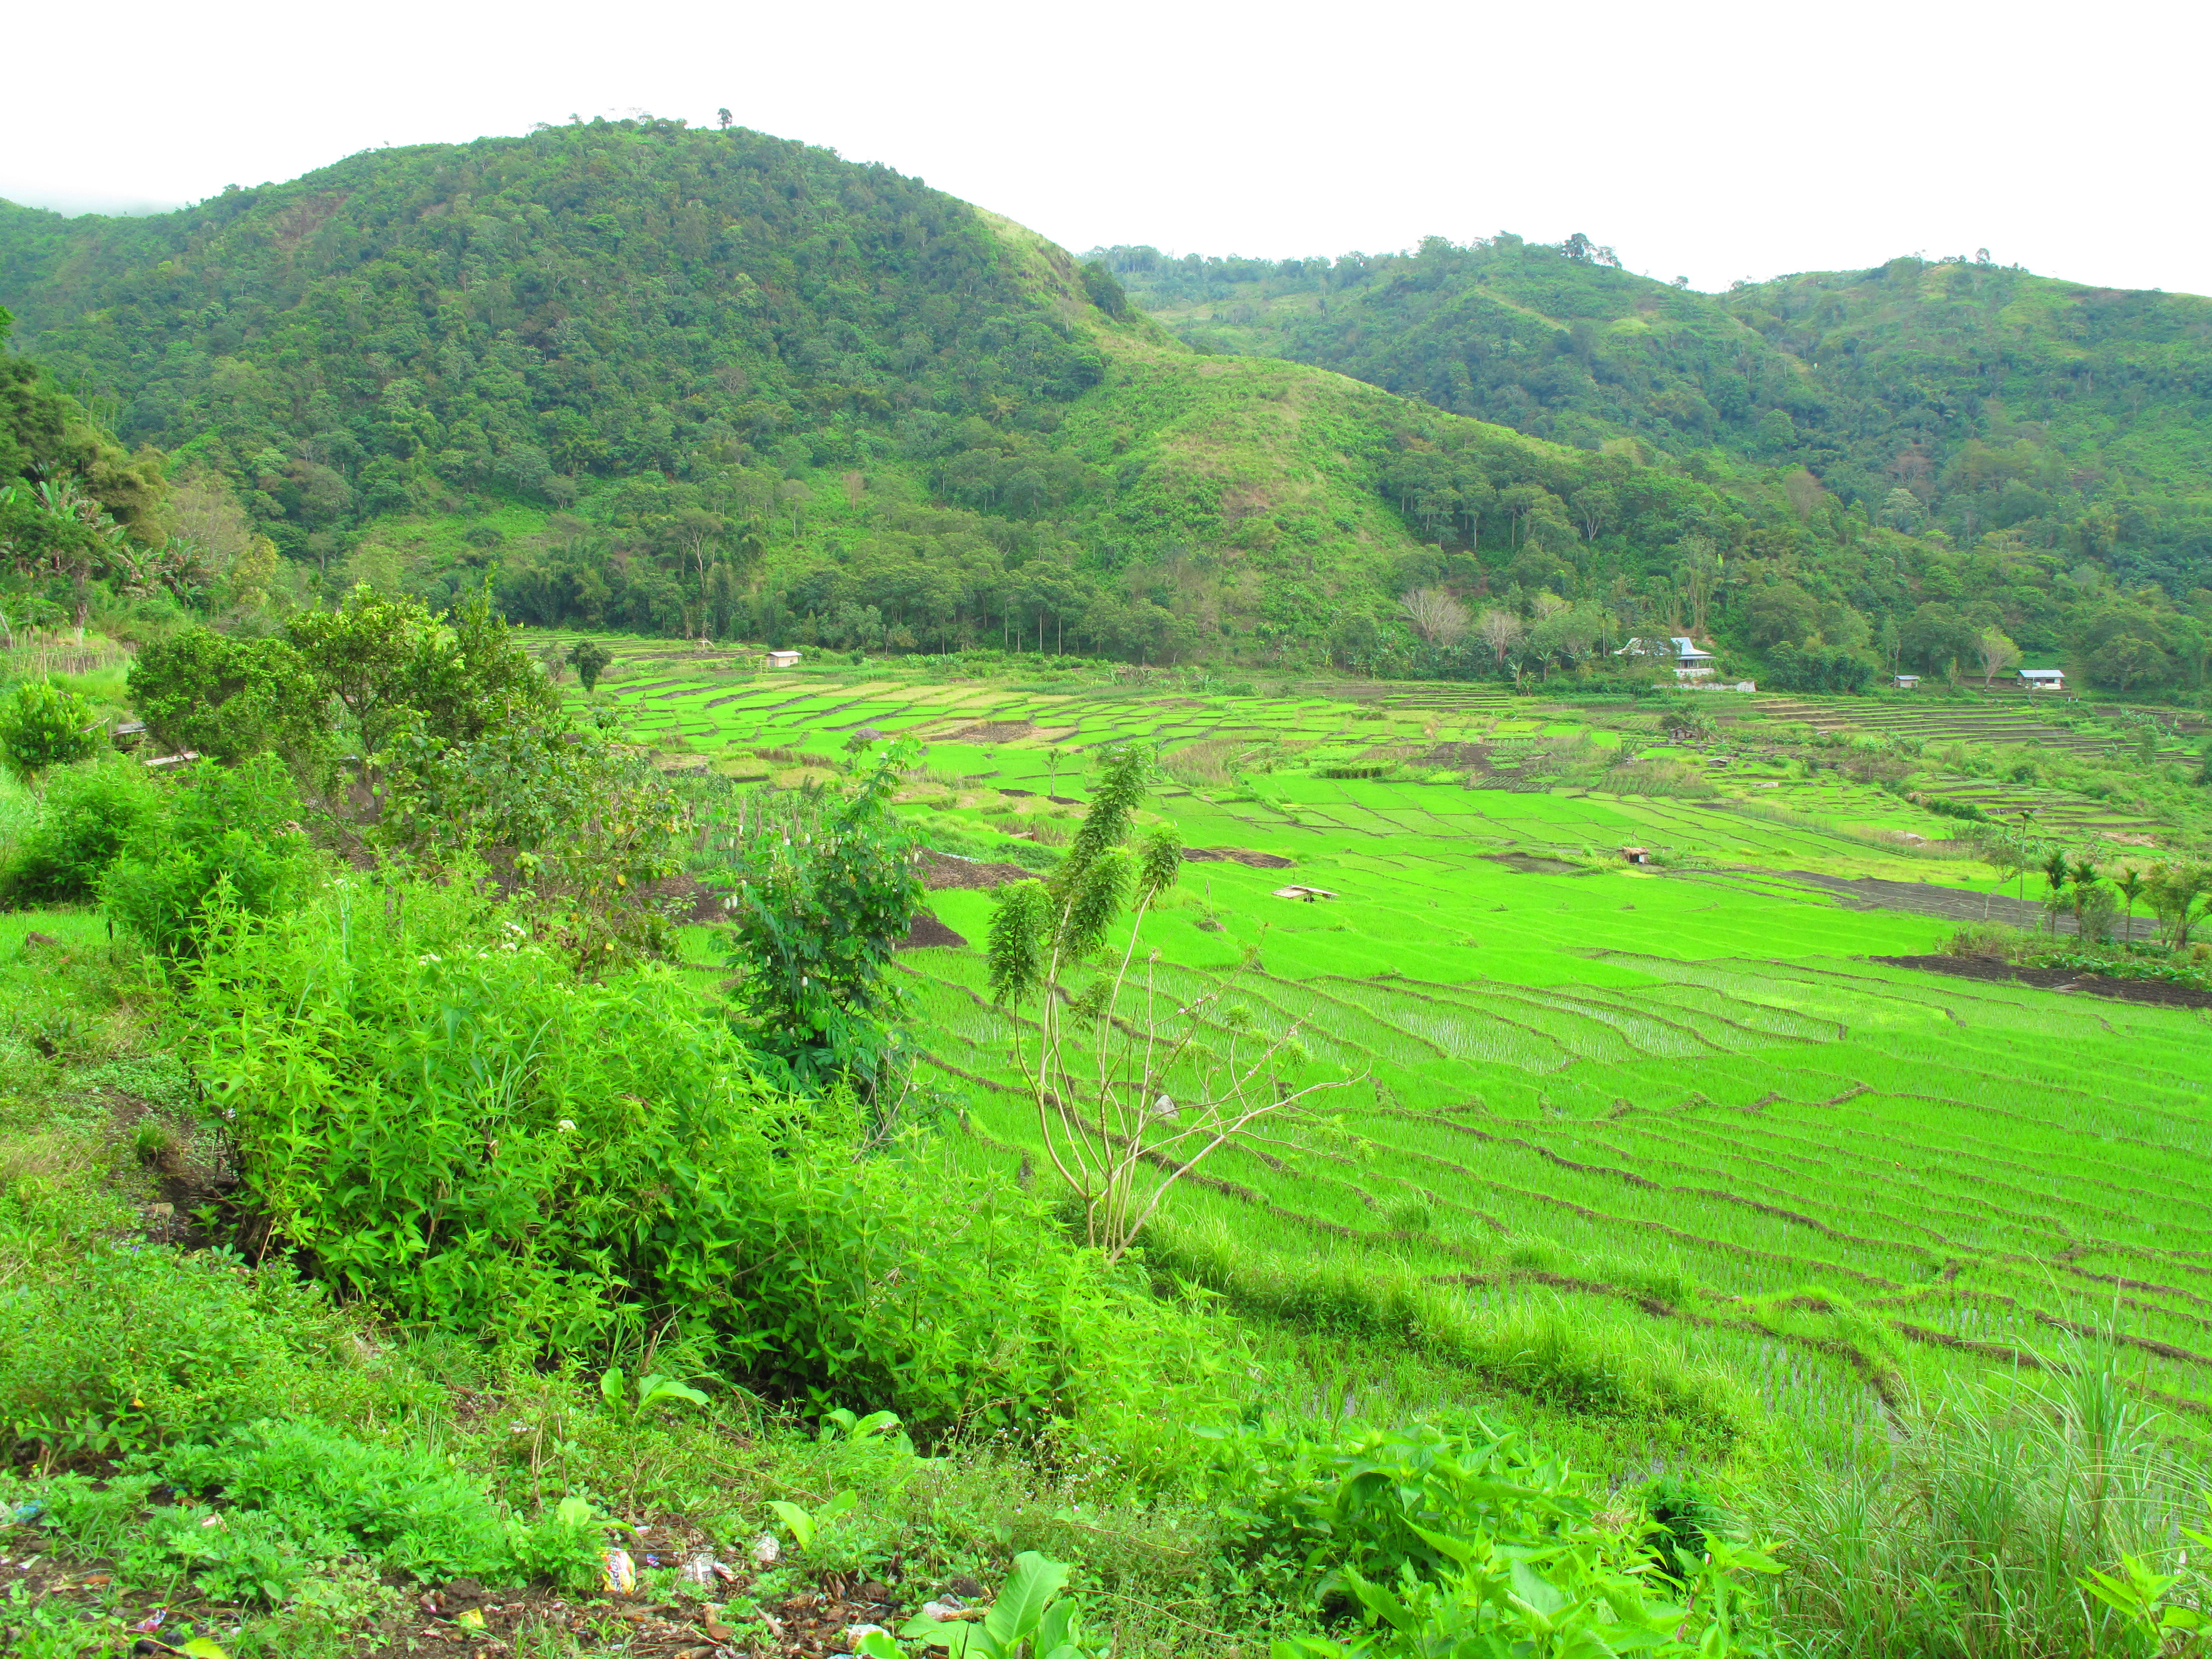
[701,902]
[942,869]
[1244,855]
[1926,899]
[994,731]
[468,1621]
[925,931]
[1459,757]
[2156,993]
[1531,864]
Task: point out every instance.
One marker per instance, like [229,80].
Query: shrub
[286,1499]
[813,923]
[445,1122]
[228,698]
[43,726]
[231,846]
[90,814]
[1458,1541]
[133,1347]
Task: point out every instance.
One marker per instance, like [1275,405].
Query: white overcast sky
[1716,141]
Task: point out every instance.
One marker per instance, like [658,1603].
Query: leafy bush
[229,697]
[813,924]
[1462,1543]
[445,1122]
[43,726]
[259,1513]
[90,814]
[231,846]
[130,1347]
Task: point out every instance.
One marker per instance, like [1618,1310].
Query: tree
[2005,854]
[2174,891]
[229,697]
[1104,1059]
[2129,881]
[1501,630]
[589,658]
[1781,613]
[2083,875]
[392,664]
[2127,658]
[813,920]
[2055,873]
[43,726]
[1995,652]
[1436,616]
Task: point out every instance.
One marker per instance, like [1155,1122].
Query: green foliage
[590,659]
[129,1347]
[394,665]
[1460,1542]
[1028,1620]
[581,827]
[627,1398]
[1040,932]
[89,815]
[812,928]
[229,848]
[229,697]
[447,1123]
[258,1515]
[44,725]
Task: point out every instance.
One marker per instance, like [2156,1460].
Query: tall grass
[1974,1538]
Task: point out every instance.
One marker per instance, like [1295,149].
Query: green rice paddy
[1675,1105]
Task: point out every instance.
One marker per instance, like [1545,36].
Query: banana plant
[1027,1621]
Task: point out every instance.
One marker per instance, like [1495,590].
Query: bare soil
[2156,993]
[925,931]
[1244,855]
[941,870]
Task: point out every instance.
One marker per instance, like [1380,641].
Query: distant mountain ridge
[641,376]
[2071,416]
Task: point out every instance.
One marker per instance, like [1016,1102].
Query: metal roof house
[2043,679]
[782,659]
[1690,661]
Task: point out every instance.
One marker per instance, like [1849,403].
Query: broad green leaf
[800,1523]
[1013,1617]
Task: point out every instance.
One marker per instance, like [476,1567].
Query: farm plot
[1677,1105]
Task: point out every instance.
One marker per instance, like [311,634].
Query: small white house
[2043,679]
[1691,663]
[783,659]
[1905,681]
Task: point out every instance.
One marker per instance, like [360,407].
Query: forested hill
[1955,393]
[602,299]
[684,381]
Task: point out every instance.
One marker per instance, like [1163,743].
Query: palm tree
[2130,884]
[2083,874]
[2055,875]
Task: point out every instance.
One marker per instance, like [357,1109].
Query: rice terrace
[1683,1103]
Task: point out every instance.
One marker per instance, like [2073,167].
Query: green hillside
[2044,413]
[714,384]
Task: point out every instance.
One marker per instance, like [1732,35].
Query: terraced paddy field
[1678,1108]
